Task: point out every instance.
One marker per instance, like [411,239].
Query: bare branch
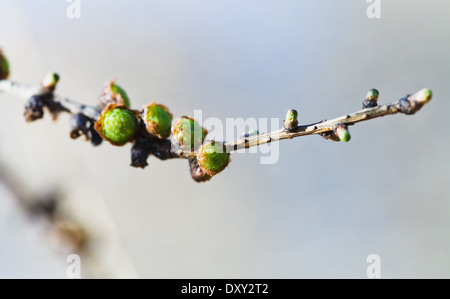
[25,92]
[147,144]
[408,105]
[412,102]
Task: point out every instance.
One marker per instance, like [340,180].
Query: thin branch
[408,105]
[319,128]
[146,144]
[46,207]
[26,91]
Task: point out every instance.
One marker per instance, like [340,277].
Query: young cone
[157,119]
[117,124]
[187,133]
[213,158]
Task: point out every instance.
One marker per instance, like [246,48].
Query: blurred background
[316,213]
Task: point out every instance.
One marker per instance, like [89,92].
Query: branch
[25,92]
[327,128]
[46,207]
[416,101]
[152,132]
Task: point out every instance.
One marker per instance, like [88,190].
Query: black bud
[83,125]
[406,106]
[330,135]
[139,155]
[34,108]
[369,103]
[94,136]
[79,125]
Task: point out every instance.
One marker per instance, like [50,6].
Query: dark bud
[142,147]
[197,173]
[79,125]
[94,136]
[83,125]
[330,135]
[139,155]
[34,108]
[147,144]
[371,99]
[406,106]
[369,104]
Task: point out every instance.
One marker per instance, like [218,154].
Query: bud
[423,96]
[157,119]
[50,81]
[213,158]
[414,102]
[83,125]
[342,132]
[34,108]
[371,99]
[4,67]
[291,121]
[117,124]
[139,154]
[373,95]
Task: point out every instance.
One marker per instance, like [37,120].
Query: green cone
[117,124]
[158,120]
[187,133]
[213,158]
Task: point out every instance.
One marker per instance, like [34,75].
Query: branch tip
[423,96]
[414,102]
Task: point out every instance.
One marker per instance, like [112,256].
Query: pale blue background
[317,213]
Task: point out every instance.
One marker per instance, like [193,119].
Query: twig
[321,127]
[26,91]
[325,127]
[45,207]
[146,144]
